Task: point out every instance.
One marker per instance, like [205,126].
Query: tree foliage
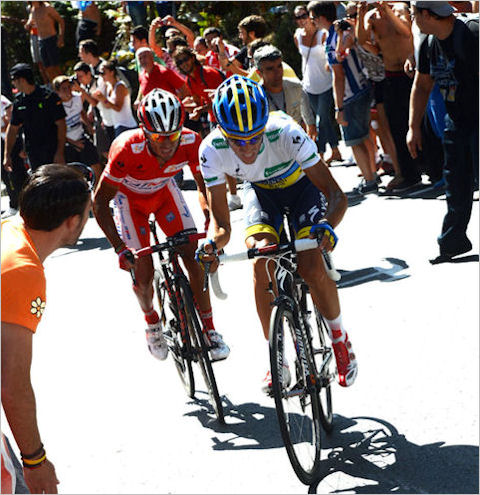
[115,26]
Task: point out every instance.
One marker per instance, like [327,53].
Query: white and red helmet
[161,111]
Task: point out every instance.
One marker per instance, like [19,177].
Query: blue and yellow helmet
[240,107]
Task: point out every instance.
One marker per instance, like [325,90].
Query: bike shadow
[247,426]
[365,275]
[369,455]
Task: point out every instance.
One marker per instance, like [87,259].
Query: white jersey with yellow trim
[285,153]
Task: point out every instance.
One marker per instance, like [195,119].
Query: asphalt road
[115,420]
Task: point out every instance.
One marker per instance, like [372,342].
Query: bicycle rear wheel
[297,403]
[201,348]
[179,344]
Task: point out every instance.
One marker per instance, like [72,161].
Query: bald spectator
[153,76]
[200,46]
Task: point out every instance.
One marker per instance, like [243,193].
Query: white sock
[336,324]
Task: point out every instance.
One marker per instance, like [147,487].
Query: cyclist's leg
[131,219]
[262,222]
[308,210]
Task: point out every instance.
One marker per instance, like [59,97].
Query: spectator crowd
[396,82]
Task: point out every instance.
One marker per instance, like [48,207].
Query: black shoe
[366,187]
[406,185]
[446,257]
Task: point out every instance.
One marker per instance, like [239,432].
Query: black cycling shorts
[264,208]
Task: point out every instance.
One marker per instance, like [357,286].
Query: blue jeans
[461,177]
[323,107]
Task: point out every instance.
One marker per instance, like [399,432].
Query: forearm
[101,209]
[306,109]
[418,103]
[61,135]
[18,401]
[10,139]
[338,86]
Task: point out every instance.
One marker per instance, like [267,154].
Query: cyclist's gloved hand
[324,230]
[206,252]
[126,259]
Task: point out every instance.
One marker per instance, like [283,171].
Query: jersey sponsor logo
[271,170]
[37,307]
[296,139]
[145,186]
[175,167]
[138,147]
[187,139]
[220,144]
[274,135]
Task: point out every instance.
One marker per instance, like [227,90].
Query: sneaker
[156,341]
[267,381]
[234,202]
[366,187]
[405,185]
[346,362]
[219,350]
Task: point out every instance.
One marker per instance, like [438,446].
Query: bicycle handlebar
[296,246]
[170,244]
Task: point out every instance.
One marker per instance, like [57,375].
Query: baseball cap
[442,9]
[267,52]
[21,70]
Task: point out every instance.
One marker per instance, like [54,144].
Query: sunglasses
[244,142]
[181,61]
[351,16]
[160,138]
[303,16]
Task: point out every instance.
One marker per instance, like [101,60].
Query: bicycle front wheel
[296,401]
[178,342]
[201,348]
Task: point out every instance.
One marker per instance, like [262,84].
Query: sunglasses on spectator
[244,142]
[301,16]
[351,16]
[160,138]
[181,61]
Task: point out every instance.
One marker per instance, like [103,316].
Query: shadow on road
[365,275]
[386,462]
[87,244]
[248,426]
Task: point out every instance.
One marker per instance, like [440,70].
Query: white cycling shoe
[156,341]
[219,350]
[286,379]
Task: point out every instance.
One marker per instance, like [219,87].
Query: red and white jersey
[136,171]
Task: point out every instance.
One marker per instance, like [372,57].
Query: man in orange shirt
[54,207]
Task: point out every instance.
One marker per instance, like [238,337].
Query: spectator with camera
[351,91]
[215,43]
[98,113]
[78,147]
[116,98]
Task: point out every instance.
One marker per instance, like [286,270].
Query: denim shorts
[357,114]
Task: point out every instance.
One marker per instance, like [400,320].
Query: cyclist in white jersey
[282,168]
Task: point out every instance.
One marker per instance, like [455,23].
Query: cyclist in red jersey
[139,178]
